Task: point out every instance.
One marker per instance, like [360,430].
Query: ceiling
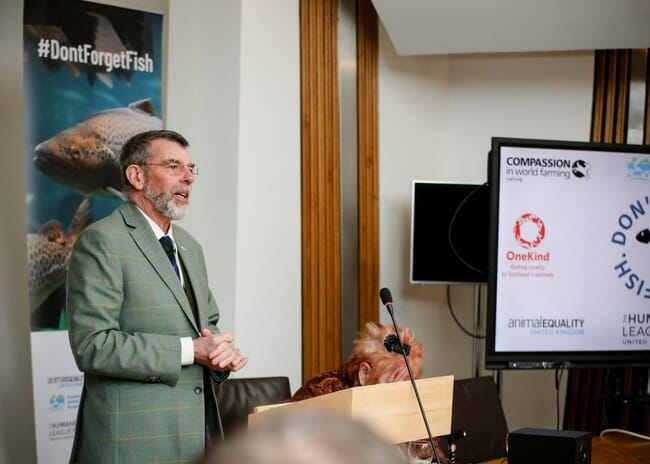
[441,27]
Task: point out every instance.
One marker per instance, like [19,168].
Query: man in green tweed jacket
[142,322]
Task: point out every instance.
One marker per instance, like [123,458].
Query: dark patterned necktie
[168,245]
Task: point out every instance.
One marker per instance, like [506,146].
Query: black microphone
[387,300]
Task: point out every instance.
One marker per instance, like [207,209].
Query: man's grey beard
[164,203]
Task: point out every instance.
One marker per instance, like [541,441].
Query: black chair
[239,396]
[477,410]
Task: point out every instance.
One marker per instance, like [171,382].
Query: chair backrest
[477,410]
[237,397]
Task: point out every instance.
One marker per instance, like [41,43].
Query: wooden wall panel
[368,162]
[611,96]
[321,292]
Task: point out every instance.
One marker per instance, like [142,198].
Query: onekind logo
[529,231]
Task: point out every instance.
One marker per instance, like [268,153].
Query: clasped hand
[217,352]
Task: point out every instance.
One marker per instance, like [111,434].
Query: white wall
[268,287]
[203,104]
[234,90]
[437,117]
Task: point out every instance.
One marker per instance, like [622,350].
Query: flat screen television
[569,254]
[449,227]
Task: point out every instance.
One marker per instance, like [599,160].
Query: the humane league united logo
[529,166]
[632,236]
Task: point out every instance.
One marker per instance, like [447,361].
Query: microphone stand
[389,307]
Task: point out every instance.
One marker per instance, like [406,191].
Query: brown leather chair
[238,397]
[477,410]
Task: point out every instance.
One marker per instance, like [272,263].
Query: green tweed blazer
[126,312]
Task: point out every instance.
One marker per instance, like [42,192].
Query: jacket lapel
[153,252]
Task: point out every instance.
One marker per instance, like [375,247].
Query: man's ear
[364,372]
[135,176]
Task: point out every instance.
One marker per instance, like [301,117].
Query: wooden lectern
[391,409]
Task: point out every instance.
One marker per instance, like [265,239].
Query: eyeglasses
[175,168]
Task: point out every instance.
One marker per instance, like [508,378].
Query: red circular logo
[528,226]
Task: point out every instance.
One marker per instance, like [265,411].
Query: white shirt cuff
[187,351]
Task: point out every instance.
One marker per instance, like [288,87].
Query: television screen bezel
[476,277]
[540,359]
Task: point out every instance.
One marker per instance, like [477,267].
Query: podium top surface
[391,409]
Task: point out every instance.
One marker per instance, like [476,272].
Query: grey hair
[136,150]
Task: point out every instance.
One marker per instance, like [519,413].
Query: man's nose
[188,175]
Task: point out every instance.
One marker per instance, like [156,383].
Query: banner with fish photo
[92,80]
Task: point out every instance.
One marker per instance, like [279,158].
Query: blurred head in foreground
[376,358]
[305,437]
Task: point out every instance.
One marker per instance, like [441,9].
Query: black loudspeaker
[542,446]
